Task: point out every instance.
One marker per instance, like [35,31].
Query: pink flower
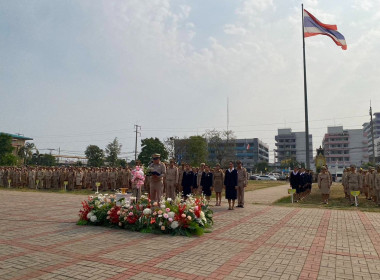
[154,213]
[109,212]
[167,209]
[183,215]
[163,228]
[108,217]
[189,218]
[130,214]
[125,218]
[159,212]
[118,213]
[120,224]
[170,220]
[155,204]
[166,216]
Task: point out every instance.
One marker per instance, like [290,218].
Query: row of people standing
[301,180]
[365,181]
[186,180]
[57,177]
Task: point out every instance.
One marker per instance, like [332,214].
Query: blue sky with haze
[75,73]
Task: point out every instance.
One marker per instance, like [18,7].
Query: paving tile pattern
[40,240]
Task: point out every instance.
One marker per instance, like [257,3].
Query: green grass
[336,201]
[254,185]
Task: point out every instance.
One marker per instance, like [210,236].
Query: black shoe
[242,206]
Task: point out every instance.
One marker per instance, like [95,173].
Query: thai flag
[248,146]
[312,26]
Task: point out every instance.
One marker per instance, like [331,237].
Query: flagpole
[305,95]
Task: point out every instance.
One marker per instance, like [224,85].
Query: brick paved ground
[39,240]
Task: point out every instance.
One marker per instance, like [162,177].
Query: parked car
[253,177]
[266,178]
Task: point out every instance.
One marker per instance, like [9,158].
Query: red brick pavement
[257,242]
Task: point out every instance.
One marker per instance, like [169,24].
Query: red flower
[114,217]
[84,212]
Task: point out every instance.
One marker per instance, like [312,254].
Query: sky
[75,73]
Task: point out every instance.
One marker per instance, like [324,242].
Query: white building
[344,147]
[376,131]
[292,145]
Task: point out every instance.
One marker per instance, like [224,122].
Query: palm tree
[26,152]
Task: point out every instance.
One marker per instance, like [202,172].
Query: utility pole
[373,137]
[137,128]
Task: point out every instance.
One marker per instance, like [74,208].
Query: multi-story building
[377,149]
[376,132]
[18,141]
[344,147]
[249,151]
[292,145]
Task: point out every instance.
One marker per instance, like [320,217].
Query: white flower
[89,215]
[163,206]
[202,216]
[147,211]
[171,214]
[93,219]
[174,225]
[168,199]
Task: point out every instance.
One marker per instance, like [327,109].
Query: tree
[122,163]
[197,150]
[113,149]
[170,146]
[26,152]
[149,146]
[221,146]
[9,160]
[44,160]
[95,156]
[291,163]
[261,166]
[5,145]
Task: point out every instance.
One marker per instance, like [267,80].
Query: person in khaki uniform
[24,178]
[1,176]
[353,180]
[171,179]
[181,169]
[31,179]
[344,183]
[363,178]
[55,178]
[157,171]
[371,183]
[78,179]
[104,179]
[324,183]
[112,179]
[218,184]
[126,177]
[40,176]
[377,185]
[48,176]
[242,183]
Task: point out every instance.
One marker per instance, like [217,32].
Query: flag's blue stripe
[309,22]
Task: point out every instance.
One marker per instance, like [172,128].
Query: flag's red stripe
[327,26]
